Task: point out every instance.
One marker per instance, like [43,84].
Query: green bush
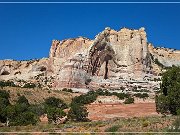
[86,98]
[54,109]
[121,96]
[168,100]
[162,104]
[7,83]
[38,109]
[20,113]
[4,102]
[129,100]
[54,114]
[24,119]
[141,95]
[67,90]
[29,85]
[4,94]
[113,128]
[55,102]
[78,112]
[22,100]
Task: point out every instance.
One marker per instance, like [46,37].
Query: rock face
[112,60]
[112,57]
[167,57]
[125,51]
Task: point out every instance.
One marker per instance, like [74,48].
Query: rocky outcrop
[113,57]
[165,56]
[112,60]
[124,51]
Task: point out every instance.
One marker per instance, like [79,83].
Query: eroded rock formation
[112,60]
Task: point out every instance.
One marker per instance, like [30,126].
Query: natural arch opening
[106,70]
[100,53]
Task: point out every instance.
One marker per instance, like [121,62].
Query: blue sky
[26,30]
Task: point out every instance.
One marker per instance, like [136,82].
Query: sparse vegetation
[22,113]
[129,100]
[67,90]
[155,124]
[55,102]
[141,95]
[54,109]
[18,114]
[77,112]
[113,128]
[175,127]
[29,85]
[7,83]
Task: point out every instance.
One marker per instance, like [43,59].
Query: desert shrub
[67,90]
[20,113]
[162,104]
[29,85]
[4,94]
[86,98]
[4,102]
[54,109]
[78,112]
[129,100]
[112,129]
[144,90]
[168,100]
[54,114]
[38,109]
[121,96]
[55,102]
[23,100]
[24,119]
[141,95]
[7,83]
[17,114]
[101,92]
[3,105]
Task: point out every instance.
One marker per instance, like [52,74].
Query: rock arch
[100,52]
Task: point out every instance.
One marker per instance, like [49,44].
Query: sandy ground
[108,111]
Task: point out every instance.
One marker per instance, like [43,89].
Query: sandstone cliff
[112,60]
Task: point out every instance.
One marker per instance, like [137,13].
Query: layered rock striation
[112,60]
